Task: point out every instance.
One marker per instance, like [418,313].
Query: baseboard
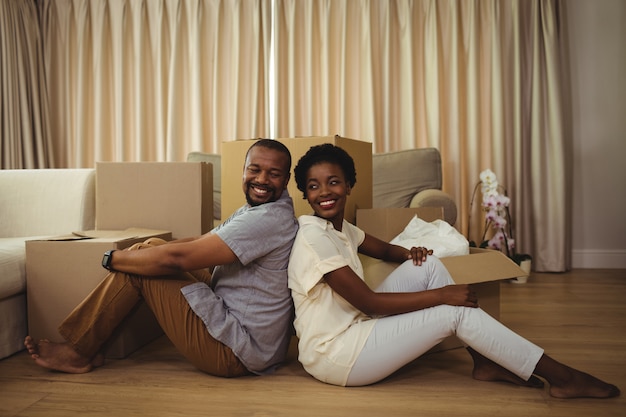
[599,258]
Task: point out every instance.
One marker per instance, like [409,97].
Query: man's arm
[187,255]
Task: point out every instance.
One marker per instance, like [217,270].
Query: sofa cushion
[13,326]
[398,176]
[12,266]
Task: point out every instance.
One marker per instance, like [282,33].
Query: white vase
[525,265]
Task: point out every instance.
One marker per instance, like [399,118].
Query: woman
[351,335]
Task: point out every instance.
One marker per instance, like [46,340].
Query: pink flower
[496,206]
[499,222]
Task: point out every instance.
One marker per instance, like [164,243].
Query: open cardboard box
[61,271]
[484,269]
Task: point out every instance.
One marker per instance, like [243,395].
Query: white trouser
[400,339]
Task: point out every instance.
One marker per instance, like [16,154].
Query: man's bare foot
[487,370]
[60,356]
[583,385]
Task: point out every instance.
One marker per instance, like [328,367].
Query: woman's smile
[328,204]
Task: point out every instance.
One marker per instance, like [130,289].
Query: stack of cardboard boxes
[134,201]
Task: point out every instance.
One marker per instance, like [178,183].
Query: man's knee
[155,241]
[148,243]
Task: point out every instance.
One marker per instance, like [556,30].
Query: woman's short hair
[326,152]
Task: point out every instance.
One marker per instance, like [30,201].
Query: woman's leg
[412,278]
[498,352]
[397,340]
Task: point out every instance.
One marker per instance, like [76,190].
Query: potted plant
[498,231]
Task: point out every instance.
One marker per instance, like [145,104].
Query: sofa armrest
[436,198]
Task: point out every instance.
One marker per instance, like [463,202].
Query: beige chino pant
[90,325]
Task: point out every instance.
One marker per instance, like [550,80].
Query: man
[233,322]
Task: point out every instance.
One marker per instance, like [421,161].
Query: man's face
[265,175]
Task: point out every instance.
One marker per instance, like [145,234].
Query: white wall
[597,39]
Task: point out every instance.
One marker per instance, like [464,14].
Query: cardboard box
[63,270]
[233,155]
[174,196]
[485,269]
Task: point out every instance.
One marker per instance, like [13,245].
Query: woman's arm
[348,284]
[379,249]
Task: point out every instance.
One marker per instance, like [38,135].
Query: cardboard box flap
[482,265]
[64,238]
[108,235]
[130,233]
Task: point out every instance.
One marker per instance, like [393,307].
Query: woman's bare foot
[60,356]
[487,370]
[566,382]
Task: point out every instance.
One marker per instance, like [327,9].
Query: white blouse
[332,332]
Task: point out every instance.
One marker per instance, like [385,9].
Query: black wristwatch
[107,258]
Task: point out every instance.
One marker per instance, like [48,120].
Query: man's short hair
[275,145]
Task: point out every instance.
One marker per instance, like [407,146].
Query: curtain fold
[480,80]
[24,119]
[152,80]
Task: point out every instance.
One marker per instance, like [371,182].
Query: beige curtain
[24,128]
[140,80]
[480,80]
[152,80]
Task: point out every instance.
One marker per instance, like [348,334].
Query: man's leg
[90,325]
[185,329]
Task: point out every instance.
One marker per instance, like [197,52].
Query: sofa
[34,204]
[410,178]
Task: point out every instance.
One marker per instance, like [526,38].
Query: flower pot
[525,265]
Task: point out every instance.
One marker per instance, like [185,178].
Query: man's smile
[259,190]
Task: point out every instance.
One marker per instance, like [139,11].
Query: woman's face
[327,192]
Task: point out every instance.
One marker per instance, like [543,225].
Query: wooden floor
[578,317]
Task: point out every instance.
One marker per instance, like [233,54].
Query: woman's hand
[459,295]
[419,254]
